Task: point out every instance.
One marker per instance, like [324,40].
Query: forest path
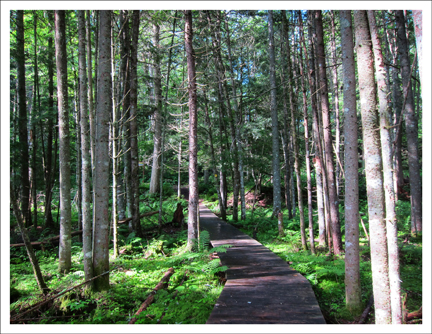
[261,288]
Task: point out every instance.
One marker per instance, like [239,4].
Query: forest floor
[199,277]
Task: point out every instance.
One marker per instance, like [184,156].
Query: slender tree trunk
[64,140]
[32,257]
[238,127]
[193,122]
[125,69]
[390,204]
[157,138]
[411,126]
[101,186]
[374,178]
[331,184]
[418,29]
[274,115]
[22,124]
[335,99]
[36,111]
[294,138]
[320,176]
[396,103]
[352,248]
[48,165]
[306,136]
[115,151]
[212,151]
[87,214]
[133,125]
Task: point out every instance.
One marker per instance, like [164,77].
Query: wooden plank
[261,288]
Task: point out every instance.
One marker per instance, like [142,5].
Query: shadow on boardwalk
[261,288]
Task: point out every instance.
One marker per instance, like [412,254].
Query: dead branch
[366,311]
[150,298]
[142,216]
[46,241]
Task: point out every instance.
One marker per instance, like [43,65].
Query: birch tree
[373,168]
[390,203]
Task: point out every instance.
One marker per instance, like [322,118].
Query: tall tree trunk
[133,125]
[157,137]
[411,126]
[390,204]
[87,214]
[374,178]
[306,136]
[294,137]
[352,248]
[125,69]
[335,100]
[274,116]
[22,124]
[193,122]
[238,118]
[64,141]
[396,104]
[35,112]
[325,108]
[48,165]
[320,175]
[101,186]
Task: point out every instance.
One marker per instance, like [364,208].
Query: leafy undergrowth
[189,298]
[327,273]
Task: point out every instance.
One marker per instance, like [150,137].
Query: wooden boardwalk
[261,288]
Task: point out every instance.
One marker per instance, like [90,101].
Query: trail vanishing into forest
[261,288]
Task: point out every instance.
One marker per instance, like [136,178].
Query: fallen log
[38,305]
[147,214]
[173,296]
[415,315]
[46,241]
[150,298]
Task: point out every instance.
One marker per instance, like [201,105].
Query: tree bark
[418,29]
[22,123]
[101,186]
[64,140]
[306,137]
[48,165]
[133,125]
[352,248]
[373,164]
[87,213]
[294,137]
[331,183]
[193,126]
[320,175]
[274,116]
[411,126]
[157,137]
[390,204]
